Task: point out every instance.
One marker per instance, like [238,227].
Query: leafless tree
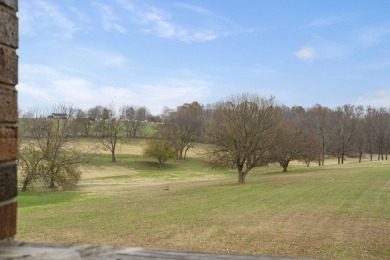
[294,140]
[345,125]
[378,124]
[319,118]
[182,127]
[359,142]
[111,131]
[95,116]
[134,118]
[47,151]
[242,130]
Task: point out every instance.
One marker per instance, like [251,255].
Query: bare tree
[359,143]
[182,127]
[47,151]
[134,118]
[380,120]
[242,130]
[82,123]
[344,128]
[111,131]
[321,125]
[95,116]
[294,141]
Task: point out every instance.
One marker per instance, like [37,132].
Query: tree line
[242,132]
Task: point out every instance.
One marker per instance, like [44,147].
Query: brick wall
[8,117]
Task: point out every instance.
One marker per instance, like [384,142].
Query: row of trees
[92,122]
[243,132]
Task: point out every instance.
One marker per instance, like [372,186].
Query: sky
[163,53]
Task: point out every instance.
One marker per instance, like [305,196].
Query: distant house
[58,116]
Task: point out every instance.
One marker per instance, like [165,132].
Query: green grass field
[330,212]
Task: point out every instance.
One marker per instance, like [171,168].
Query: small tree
[111,130]
[159,149]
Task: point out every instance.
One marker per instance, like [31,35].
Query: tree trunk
[241,177]
[185,152]
[52,184]
[25,184]
[360,156]
[284,165]
[342,158]
[113,159]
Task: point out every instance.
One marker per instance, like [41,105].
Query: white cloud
[370,36]
[161,23]
[101,57]
[306,53]
[110,19]
[324,22]
[194,8]
[38,15]
[126,5]
[320,48]
[47,86]
[377,98]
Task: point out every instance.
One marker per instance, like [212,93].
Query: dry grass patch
[331,212]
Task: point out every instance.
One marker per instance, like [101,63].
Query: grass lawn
[330,212]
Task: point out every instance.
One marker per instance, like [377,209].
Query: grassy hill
[331,212]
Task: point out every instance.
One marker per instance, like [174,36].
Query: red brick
[8,181]
[8,104]
[7,220]
[8,66]
[8,28]
[8,144]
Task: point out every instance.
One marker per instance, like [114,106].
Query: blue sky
[165,53]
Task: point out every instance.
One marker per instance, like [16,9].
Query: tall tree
[321,125]
[242,130]
[344,128]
